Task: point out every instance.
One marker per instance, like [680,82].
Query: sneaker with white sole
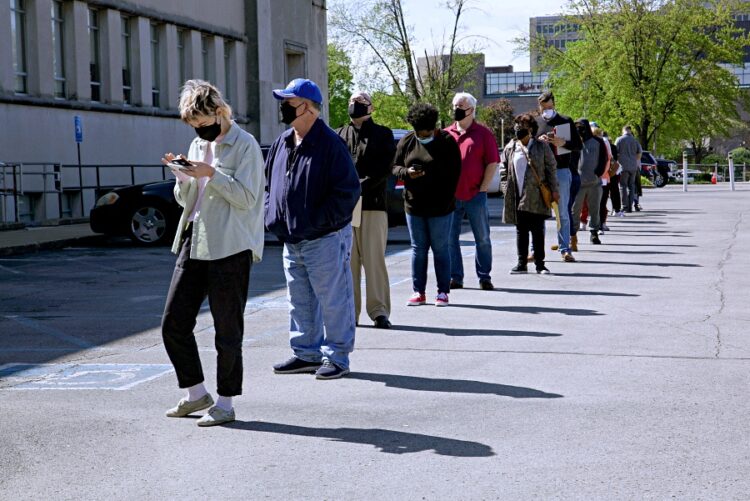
[417,299]
[329,370]
[441,299]
[216,416]
[185,407]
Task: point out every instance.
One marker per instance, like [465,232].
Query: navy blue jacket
[311,189]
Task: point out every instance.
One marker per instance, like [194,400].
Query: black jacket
[433,194]
[575,144]
[372,149]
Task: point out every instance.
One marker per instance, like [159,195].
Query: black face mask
[459,114]
[289,112]
[209,132]
[521,133]
[584,133]
[357,110]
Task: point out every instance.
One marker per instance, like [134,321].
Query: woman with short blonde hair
[220,234]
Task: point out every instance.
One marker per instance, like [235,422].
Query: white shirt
[519,165]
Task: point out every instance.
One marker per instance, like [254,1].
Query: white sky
[498,20]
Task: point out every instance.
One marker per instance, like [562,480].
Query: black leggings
[529,222]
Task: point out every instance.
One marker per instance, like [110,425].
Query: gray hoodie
[593,159]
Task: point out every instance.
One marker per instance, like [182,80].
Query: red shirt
[478,149]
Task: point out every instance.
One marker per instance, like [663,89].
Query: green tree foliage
[339,85]
[378,33]
[498,116]
[658,65]
[390,110]
[741,156]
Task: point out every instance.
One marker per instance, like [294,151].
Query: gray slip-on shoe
[185,407]
[216,416]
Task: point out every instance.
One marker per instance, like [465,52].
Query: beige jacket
[231,213]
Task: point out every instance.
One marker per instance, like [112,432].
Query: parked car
[657,171]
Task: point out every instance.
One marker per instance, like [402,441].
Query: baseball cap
[300,87]
[545,96]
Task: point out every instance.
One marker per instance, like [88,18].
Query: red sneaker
[441,299]
[417,299]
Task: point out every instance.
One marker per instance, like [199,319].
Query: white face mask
[549,114]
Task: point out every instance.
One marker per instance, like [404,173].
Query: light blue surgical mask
[426,140]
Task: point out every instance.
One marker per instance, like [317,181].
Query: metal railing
[61,191]
[704,172]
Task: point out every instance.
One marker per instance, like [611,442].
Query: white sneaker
[620,214]
[186,407]
[582,227]
[216,416]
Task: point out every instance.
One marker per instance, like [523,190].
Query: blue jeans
[575,185]
[479,220]
[564,180]
[426,233]
[321,302]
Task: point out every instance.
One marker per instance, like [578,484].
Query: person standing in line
[564,151]
[614,179]
[219,236]
[629,156]
[479,158]
[524,205]
[603,212]
[591,166]
[429,162]
[311,190]
[372,149]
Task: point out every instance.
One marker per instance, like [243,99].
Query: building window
[18,34]
[58,54]
[205,55]
[228,49]
[127,82]
[155,66]
[181,34]
[95,63]
[295,65]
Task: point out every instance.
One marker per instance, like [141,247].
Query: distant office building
[556,31]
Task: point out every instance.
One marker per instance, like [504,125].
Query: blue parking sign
[79,129]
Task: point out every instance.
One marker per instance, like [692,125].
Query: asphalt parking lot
[622,376]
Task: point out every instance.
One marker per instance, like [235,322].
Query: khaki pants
[368,251]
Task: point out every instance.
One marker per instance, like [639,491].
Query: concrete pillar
[238,74]
[217,56]
[111,54]
[170,68]
[39,49]
[141,58]
[193,58]
[7,80]
[77,50]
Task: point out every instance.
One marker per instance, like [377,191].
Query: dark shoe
[542,270]
[574,243]
[296,366]
[567,257]
[638,208]
[486,285]
[381,322]
[628,210]
[595,239]
[519,268]
[456,285]
[329,370]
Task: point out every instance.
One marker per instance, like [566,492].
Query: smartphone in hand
[180,163]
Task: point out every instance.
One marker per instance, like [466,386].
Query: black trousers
[224,282]
[529,222]
[614,193]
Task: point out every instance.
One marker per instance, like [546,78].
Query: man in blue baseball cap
[312,188]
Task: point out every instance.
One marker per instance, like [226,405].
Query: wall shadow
[451,385]
[453,332]
[553,292]
[388,441]
[532,310]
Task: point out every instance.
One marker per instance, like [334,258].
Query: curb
[51,245]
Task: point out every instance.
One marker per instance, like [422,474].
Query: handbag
[545,190]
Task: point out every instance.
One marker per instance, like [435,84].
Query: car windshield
[647,158]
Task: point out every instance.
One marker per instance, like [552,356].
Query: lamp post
[684,170]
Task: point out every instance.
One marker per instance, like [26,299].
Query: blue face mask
[426,140]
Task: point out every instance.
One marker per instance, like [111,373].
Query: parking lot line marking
[10,270]
[49,331]
[73,376]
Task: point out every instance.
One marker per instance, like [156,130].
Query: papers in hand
[357,214]
[562,131]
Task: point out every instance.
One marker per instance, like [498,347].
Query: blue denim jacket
[311,189]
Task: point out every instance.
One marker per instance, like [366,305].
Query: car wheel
[149,224]
[659,179]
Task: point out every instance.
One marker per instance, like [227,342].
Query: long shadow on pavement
[449,331]
[388,441]
[533,310]
[608,275]
[658,263]
[553,292]
[452,385]
[649,245]
[640,252]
